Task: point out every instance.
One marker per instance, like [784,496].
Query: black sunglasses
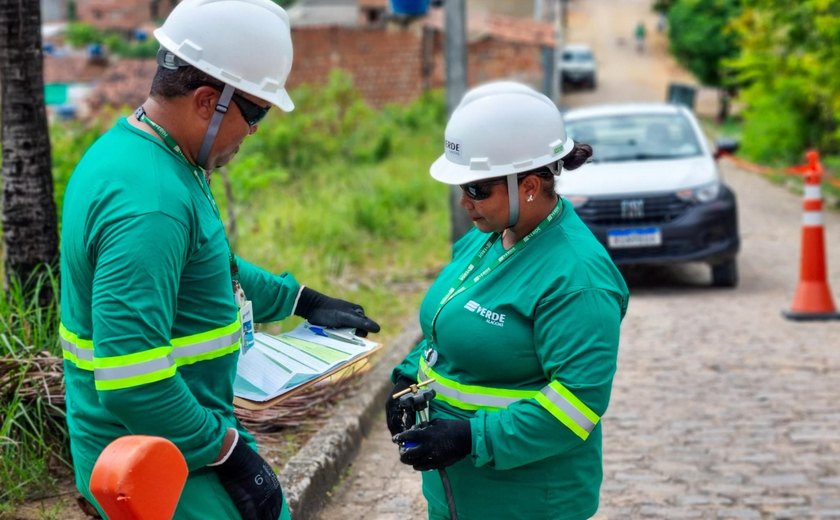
[482,190]
[251,112]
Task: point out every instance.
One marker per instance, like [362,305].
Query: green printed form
[326,354]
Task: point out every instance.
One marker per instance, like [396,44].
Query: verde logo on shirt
[493,318]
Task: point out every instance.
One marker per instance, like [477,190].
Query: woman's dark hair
[170,83]
[572,161]
[579,155]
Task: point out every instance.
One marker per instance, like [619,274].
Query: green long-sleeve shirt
[150,326]
[549,313]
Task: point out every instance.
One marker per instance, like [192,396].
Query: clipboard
[358,365]
[280,367]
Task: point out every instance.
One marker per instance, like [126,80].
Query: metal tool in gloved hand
[411,401]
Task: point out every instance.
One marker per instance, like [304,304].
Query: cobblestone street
[721,408]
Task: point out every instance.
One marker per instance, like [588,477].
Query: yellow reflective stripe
[76,350]
[141,379]
[471,397]
[554,397]
[127,370]
[137,368]
[568,409]
[135,358]
[208,335]
[207,345]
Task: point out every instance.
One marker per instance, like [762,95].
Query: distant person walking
[640,33]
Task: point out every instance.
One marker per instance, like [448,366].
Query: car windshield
[577,56]
[636,137]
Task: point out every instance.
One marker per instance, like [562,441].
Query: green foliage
[131,49]
[339,195]
[33,438]
[790,54]
[81,34]
[700,39]
[662,6]
[68,142]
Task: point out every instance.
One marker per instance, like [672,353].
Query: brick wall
[387,64]
[123,15]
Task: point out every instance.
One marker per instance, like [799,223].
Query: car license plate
[636,237]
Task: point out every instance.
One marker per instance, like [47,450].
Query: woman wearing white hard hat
[520,330]
[155,306]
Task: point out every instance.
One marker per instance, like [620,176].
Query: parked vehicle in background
[578,67]
[654,194]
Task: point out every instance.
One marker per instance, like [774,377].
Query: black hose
[447,488]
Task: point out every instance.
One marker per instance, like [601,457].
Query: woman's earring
[530,198]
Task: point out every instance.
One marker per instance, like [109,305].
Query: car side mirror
[725,146]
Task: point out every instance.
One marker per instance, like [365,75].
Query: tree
[701,41]
[30,234]
[790,55]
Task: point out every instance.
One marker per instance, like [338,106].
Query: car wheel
[725,274]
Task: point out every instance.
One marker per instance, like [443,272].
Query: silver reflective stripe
[470,398]
[135,369]
[84,354]
[206,346]
[568,408]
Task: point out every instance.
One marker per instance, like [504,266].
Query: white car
[653,193]
[577,66]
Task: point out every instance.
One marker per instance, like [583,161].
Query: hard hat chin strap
[513,199]
[215,123]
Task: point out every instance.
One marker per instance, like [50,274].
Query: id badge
[246,316]
[246,313]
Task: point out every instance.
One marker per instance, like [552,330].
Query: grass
[32,432]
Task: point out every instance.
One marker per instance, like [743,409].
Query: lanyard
[201,179]
[463,283]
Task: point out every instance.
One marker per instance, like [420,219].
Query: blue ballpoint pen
[328,333]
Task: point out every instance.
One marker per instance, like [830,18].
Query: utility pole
[549,54]
[559,41]
[455,55]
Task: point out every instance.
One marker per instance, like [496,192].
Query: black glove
[320,309]
[442,443]
[393,413]
[251,483]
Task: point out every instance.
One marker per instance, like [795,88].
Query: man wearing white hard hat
[153,300]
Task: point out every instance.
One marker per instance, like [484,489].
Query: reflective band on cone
[812,300]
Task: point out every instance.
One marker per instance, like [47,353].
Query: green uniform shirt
[549,314]
[150,327]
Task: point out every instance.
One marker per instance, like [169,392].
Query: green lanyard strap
[464,281]
[200,178]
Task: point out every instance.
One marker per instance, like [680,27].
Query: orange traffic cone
[138,477]
[812,300]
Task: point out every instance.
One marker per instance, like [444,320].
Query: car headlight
[576,200]
[705,193]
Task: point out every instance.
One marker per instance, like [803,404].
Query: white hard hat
[491,88]
[499,129]
[244,43]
